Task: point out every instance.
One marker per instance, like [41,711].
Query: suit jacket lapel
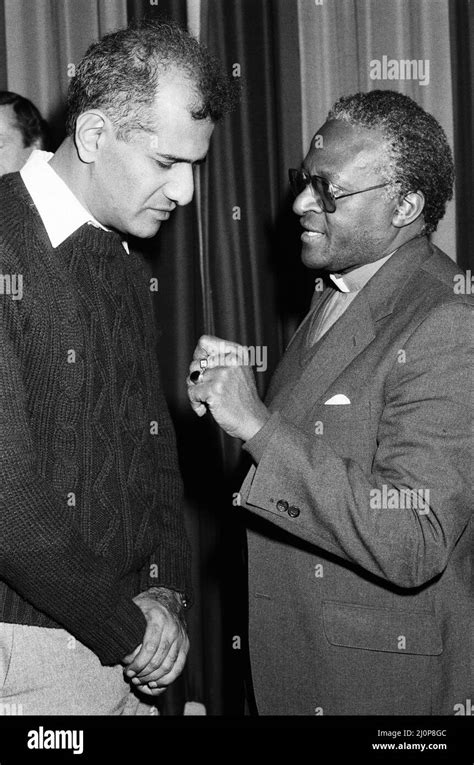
[317,300]
[329,356]
[349,336]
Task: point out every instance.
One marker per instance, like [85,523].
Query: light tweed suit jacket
[361,536]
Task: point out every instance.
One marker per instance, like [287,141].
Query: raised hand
[226,387]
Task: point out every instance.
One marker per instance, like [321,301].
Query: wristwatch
[182,599]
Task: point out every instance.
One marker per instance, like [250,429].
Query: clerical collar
[358,278]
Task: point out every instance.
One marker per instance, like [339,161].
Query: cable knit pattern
[90,493]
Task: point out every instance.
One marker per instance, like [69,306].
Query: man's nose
[308,200]
[179,187]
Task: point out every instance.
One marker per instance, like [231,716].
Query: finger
[170,632]
[201,393]
[173,673]
[200,409]
[197,368]
[196,405]
[150,691]
[210,347]
[153,663]
[206,345]
[147,675]
[151,644]
[229,356]
[179,646]
[128,659]
[207,379]
[151,672]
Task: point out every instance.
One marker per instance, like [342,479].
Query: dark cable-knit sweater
[90,492]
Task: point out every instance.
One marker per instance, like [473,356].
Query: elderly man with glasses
[360,513]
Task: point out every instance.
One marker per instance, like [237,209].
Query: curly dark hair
[418,156]
[29,121]
[121,73]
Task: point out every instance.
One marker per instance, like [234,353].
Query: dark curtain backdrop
[3,56]
[462,36]
[244,283]
[229,265]
[176,259]
[239,284]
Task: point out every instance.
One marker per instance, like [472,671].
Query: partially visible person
[22,129]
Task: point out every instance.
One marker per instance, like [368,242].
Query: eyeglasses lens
[299,180]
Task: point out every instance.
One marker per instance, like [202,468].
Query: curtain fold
[462,50]
[174,254]
[45,40]
[219,264]
[174,10]
[239,190]
[250,263]
[339,39]
[3,51]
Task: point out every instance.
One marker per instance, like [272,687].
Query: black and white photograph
[236,376]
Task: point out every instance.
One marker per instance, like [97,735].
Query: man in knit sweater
[94,560]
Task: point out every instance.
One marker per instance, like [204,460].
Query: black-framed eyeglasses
[327,193]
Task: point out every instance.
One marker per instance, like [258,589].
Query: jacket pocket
[381,629]
[346,429]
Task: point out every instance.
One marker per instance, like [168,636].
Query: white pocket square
[338,400]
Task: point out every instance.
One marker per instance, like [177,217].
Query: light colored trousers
[48,672]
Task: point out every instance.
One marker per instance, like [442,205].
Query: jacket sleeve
[423,446]
[42,553]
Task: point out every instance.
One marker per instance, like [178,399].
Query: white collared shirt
[348,287]
[59,209]
[358,277]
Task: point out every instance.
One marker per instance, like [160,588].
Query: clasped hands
[225,386]
[161,657]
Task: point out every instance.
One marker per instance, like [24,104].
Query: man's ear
[408,209]
[90,129]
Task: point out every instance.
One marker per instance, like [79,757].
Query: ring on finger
[198,373]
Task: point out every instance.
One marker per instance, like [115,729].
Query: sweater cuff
[170,567]
[256,446]
[125,631]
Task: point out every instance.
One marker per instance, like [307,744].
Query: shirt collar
[358,278]
[59,209]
